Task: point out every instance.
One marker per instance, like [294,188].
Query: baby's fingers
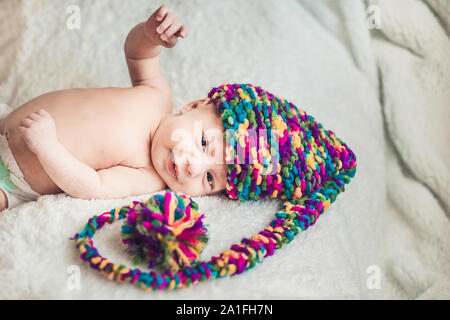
[44,113]
[161,13]
[27,123]
[172,42]
[168,20]
[34,116]
[171,30]
[183,32]
[22,129]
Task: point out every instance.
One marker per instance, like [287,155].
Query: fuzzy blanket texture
[385,93]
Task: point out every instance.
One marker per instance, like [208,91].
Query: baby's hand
[163,28]
[39,131]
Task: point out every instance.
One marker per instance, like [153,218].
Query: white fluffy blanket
[315,54]
[415,80]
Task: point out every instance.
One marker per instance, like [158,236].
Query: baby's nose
[190,161]
[195,167]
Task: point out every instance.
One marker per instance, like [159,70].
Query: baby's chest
[107,140]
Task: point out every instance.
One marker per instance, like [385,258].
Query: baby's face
[188,150]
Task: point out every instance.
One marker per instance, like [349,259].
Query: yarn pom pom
[166,231]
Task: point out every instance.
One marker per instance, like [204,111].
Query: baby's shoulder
[158,96]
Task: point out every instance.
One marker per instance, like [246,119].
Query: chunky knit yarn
[166,231]
[274,150]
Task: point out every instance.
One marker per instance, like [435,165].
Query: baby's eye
[209,177]
[203,142]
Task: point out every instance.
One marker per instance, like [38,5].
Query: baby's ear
[190,106]
[207,101]
[194,105]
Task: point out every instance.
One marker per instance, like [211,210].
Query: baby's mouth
[172,166]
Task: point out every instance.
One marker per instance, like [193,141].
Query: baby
[118,142]
[115,142]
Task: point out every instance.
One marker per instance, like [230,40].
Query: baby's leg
[3,200]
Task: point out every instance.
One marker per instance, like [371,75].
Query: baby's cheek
[192,189]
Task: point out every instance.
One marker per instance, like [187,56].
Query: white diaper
[20,192]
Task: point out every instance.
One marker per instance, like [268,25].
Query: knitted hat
[275,150]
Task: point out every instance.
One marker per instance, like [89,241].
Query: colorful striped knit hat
[275,150]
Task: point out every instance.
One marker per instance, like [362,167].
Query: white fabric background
[317,55]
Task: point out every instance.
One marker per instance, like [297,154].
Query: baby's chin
[172,187]
[184,190]
[170,181]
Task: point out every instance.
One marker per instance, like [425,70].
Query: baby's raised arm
[144,44]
